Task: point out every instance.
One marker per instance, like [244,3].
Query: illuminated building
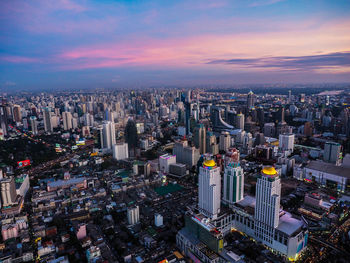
[233,183]
[209,189]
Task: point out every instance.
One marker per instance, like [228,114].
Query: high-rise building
[269,129]
[67,120]
[131,136]
[133,214]
[107,135]
[209,191]
[188,112]
[186,154]
[34,125]
[200,138]
[240,121]
[164,162]
[120,151]
[47,120]
[250,100]
[17,113]
[8,191]
[233,189]
[211,144]
[3,120]
[224,141]
[332,152]
[286,142]
[267,208]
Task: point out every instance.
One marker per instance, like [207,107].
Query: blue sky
[66,44]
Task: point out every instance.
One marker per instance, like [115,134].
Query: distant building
[107,134]
[34,125]
[158,220]
[200,138]
[164,161]
[186,154]
[133,214]
[47,120]
[332,152]
[120,151]
[224,141]
[8,191]
[286,143]
[67,120]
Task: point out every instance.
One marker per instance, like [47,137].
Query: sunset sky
[75,44]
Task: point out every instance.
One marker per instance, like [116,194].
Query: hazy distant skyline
[77,44]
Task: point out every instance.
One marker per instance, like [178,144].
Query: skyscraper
[250,100]
[133,215]
[8,191]
[240,121]
[131,135]
[233,183]
[34,125]
[332,152]
[17,113]
[209,191]
[67,120]
[267,208]
[224,141]
[286,142]
[200,138]
[107,135]
[47,120]
[3,119]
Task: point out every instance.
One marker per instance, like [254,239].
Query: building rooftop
[288,224]
[209,163]
[329,168]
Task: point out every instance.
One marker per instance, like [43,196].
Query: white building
[47,120]
[164,162]
[158,220]
[268,194]
[107,135]
[233,183]
[67,120]
[133,215]
[120,151]
[34,125]
[209,190]
[286,143]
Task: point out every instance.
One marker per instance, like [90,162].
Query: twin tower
[209,190]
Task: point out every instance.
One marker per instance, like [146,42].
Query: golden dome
[269,170]
[209,163]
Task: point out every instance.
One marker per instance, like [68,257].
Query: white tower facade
[286,142]
[67,120]
[209,190]
[107,135]
[233,183]
[133,215]
[268,193]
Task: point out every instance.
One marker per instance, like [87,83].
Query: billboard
[23,163]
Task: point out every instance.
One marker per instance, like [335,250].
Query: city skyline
[103,44]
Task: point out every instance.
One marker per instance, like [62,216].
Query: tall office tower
[133,215]
[224,141]
[209,190]
[211,144]
[17,113]
[120,151]
[289,96]
[286,142]
[107,135]
[34,125]
[188,110]
[8,191]
[268,193]
[260,116]
[47,120]
[332,152]
[67,120]
[3,120]
[259,139]
[131,136]
[233,183]
[280,115]
[240,121]
[200,138]
[250,100]
[269,129]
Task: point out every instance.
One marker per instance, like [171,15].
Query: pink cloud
[18,59]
